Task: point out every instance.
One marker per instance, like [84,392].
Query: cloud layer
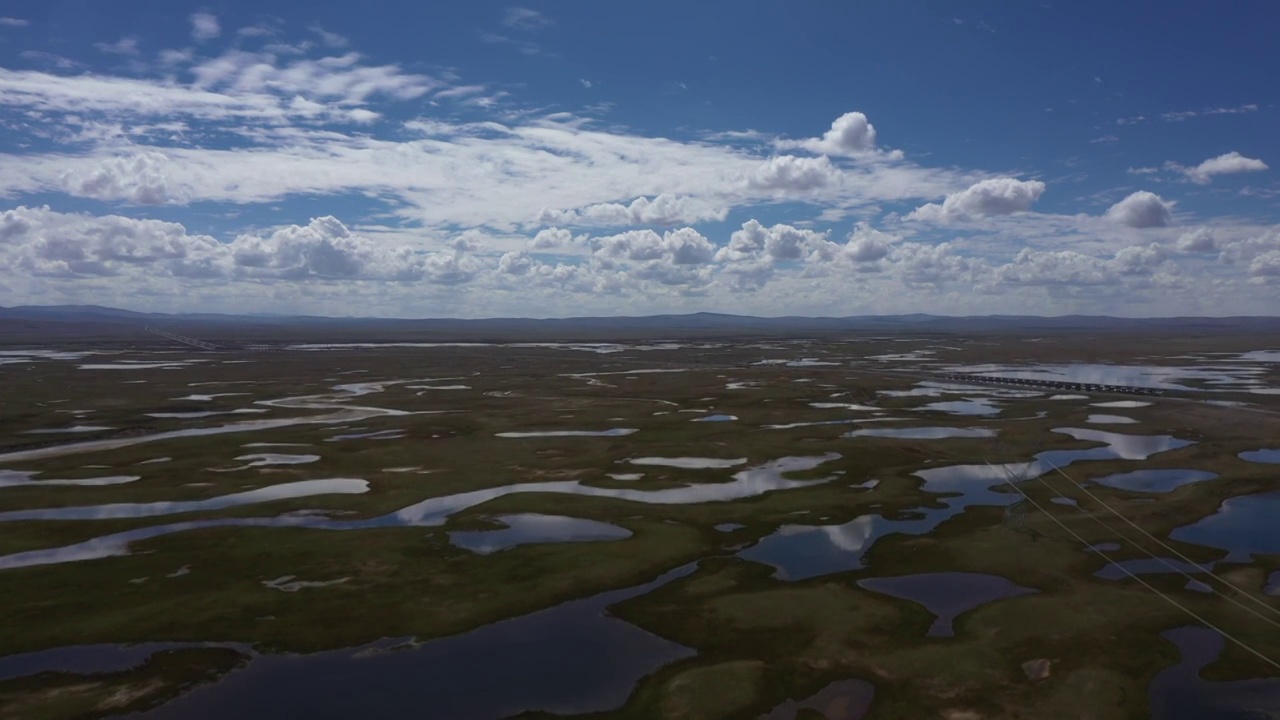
[306,172]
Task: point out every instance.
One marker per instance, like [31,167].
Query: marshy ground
[648,529]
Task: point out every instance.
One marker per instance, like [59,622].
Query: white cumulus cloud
[1142,209]
[788,173]
[1200,240]
[1227,164]
[995,196]
[850,135]
[665,209]
[140,179]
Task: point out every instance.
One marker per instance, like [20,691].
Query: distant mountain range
[93,320]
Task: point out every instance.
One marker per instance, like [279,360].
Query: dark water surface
[842,700]
[946,594]
[1178,693]
[572,658]
[1242,526]
[799,552]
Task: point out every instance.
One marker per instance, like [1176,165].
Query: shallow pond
[569,659]
[531,528]
[751,482]
[1147,376]
[968,406]
[86,659]
[1179,693]
[372,435]
[841,700]
[284,491]
[690,463]
[946,594]
[19,478]
[612,432]
[1121,404]
[1242,526]
[196,415]
[1110,420]
[798,552]
[263,459]
[72,429]
[1153,481]
[923,433]
[815,423]
[1269,456]
[1122,569]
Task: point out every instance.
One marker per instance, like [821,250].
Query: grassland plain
[418,423]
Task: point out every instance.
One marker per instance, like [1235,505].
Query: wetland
[654,527]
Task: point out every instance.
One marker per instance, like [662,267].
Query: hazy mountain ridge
[74,319]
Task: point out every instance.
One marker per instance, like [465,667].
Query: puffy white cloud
[1249,248]
[1266,265]
[1056,267]
[325,266]
[866,244]
[995,196]
[47,243]
[1139,260]
[289,122]
[688,247]
[1200,240]
[862,250]
[140,179]
[1068,268]
[441,268]
[936,265]
[549,238]
[324,248]
[755,242]
[204,26]
[1226,164]
[788,173]
[1142,209]
[665,209]
[850,135]
[518,262]
[684,246]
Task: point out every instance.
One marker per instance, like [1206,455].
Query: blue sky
[483,158]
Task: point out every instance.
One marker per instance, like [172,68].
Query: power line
[1164,545]
[1144,583]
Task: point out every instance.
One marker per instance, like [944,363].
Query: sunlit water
[923,433]
[751,482]
[798,552]
[1153,481]
[531,528]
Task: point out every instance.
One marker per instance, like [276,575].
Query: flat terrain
[635,528]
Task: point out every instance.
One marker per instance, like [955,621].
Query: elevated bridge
[193,342]
[1051,384]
